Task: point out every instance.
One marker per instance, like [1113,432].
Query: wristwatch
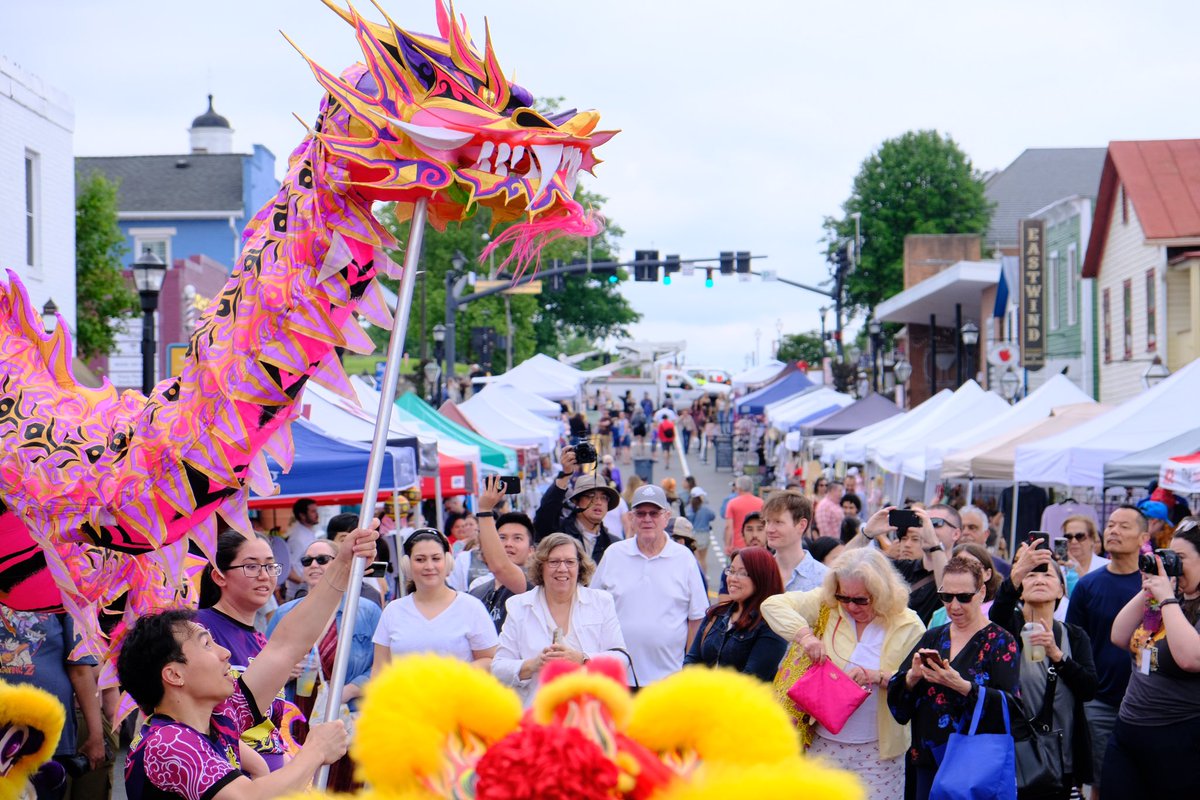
[491,514]
[935,548]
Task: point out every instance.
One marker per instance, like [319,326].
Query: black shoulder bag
[1040,756]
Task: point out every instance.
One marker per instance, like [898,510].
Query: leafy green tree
[919,182]
[103,296]
[806,346]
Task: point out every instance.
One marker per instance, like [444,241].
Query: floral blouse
[989,660]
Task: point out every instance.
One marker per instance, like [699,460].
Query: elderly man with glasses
[659,595]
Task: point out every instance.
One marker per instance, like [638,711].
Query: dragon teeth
[549,158]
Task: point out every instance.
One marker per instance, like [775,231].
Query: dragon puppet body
[104,495]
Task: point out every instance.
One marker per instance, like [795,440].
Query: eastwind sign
[1033,270]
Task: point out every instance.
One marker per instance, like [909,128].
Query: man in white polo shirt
[658,591]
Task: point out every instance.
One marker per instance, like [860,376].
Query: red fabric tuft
[539,762]
[553,669]
[609,666]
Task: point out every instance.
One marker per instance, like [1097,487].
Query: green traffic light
[708,283]
[666,280]
[612,278]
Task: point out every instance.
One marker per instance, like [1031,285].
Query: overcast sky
[743,123]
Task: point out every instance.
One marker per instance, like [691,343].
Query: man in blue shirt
[1097,599]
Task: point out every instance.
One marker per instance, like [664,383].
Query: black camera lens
[585,453]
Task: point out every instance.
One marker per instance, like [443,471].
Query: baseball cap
[680,526]
[698,492]
[1155,510]
[652,495]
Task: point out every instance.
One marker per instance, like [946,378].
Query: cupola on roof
[210,118]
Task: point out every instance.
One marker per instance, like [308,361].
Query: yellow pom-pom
[784,780]
[612,695]
[23,704]
[410,711]
[721,715]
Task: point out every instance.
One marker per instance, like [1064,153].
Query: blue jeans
[1101,717]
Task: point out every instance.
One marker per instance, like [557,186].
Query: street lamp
[1009,384]
[148,274]
[902,370]
[439,344]
[50,316]
[970,338]
[874,331]
[1155,374]
[432,373]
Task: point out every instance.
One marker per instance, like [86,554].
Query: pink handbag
[827,694]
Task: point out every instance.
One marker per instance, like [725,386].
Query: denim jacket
[362,651]
[755,651]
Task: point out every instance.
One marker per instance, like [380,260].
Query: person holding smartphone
[939,680]
[938,533]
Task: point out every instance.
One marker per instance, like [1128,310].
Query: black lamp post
[457,263]
[875,329]
[148,274]
[432,372]
[970,339]
[439,345]
[50,316]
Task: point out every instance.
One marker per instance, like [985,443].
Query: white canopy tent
[1077,457]
[514,395]
[1054,393]
[852,448]
[510,425]
[1181,474]
[534,378]
[967,407]
[785,413]
[758,375]
[992,459]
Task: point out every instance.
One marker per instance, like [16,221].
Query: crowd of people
[1094,642]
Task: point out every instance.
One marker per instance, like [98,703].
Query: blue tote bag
[978,766]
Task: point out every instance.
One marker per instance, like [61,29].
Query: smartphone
[378,569]
[1060,550]
[931,658]
[901,518]
[1040,541]
[512,484]
[558,635]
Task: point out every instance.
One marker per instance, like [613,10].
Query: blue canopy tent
[331,470]
[790,385]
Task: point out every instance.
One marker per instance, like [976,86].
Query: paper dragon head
[431,116]
[435,728]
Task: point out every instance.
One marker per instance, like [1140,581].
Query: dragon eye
[527,118]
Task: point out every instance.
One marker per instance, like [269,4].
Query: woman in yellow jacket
[868,633]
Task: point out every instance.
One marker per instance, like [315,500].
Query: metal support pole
[958,345]
[932,354]
[149,346]
[391,373]
[451,326]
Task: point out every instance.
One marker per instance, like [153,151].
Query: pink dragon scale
[108,500]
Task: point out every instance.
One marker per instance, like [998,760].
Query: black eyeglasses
[253,570]
[848,600]
[1076,537]
[962,597]
[307,561]
[938,522]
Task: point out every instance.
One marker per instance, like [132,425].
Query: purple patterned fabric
[173,761]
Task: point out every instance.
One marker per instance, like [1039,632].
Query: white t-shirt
[299,538]
[462,576]
[863,725]
[655,599]
[612,520]
[464,626]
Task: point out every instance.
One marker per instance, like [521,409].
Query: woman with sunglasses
[991,580]
[1082,537]
[868,632]
[939,680]
[560,619]
[313,564]
[1154,746]
[432,617]
[734,634]
[241,581]
[1066,659]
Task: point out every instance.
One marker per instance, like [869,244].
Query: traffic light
[606,273]
[708,281]
[645,265]
[841,260]
[743,262]
[726,262]
[670,266]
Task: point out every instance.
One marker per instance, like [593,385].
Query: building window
[1073,288]
[1127,316]
[157,239]
[32,249]
[1106,312]
[1052,272]
[1151,312]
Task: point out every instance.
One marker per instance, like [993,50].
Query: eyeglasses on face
[962,597]
[647,513]
[938,522]
[560,563]
[252,570]
[848,600]
[736,573]
[307,561]
[1075,537]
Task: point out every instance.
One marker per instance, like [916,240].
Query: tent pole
[1012,546]
[391,374]
[970,489]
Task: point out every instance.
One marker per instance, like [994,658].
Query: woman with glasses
[315,670]
[734,634]
[940,678]
[560,619]
[991,580]
[868,632]
[1082,538]
[1154,746]
[241,581]
[1064,670]
[432,617]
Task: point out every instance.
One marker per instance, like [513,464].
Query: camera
[1172,566]
[585,453]
[76,765]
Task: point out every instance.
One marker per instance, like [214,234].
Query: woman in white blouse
[559,619]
